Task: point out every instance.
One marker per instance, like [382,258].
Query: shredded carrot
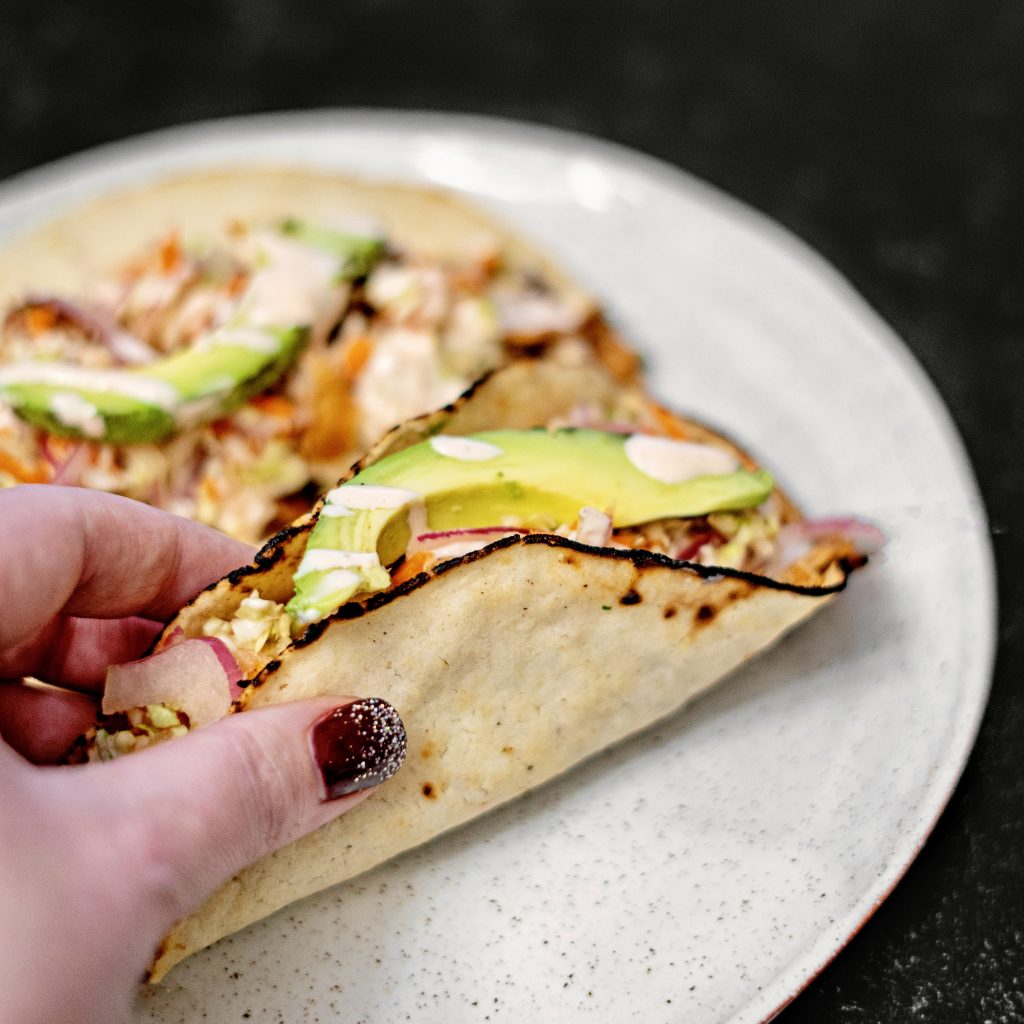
[473,277]
[412,566]
[668,422]
[210,489]
[620,360]
[490,262]
[237,283]
[170,253]
[469,279]
[355,352]
[331,415]
[275,405]
[39,319]
[38,474]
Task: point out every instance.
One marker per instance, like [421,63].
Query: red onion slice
[194,676]
[227,660]
[176,636]
[533,316]
[796,539]
[689,551]
[865,537]
[67,470]
[126,348]
[589,416]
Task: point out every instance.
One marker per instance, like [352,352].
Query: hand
[100,860]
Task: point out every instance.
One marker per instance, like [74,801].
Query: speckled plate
[707,869]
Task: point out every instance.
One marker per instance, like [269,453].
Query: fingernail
[357,746]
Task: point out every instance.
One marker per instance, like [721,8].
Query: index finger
[71,551]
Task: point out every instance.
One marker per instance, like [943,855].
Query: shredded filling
[415,334]
[744,540]
[128,732]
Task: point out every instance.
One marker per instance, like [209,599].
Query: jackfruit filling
[414,333]
[258,632]
[129,731]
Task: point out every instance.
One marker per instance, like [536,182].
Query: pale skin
[99,860]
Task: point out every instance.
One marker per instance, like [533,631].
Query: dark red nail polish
[358,746]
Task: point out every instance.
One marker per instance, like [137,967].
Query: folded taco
[539,570]
[224,345]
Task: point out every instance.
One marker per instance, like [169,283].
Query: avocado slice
[540,478]
[299,265]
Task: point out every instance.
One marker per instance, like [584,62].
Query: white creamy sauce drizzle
[74,411]
[417,518]
[242,337]
[369,496]
[466,449]
[291,289]
[335,511]
[404,376]
[79,378]
[319,559]
[672,462]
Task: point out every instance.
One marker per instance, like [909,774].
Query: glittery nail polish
[358,746]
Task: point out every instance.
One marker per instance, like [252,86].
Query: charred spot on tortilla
[468,394]
[269,555]
[704,614]
[630,597]
[670,612]
[271,666]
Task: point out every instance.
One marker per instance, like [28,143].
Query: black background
[887,134]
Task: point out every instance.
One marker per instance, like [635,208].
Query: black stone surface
[887,134]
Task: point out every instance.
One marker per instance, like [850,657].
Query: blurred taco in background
[540,569]
[224,345]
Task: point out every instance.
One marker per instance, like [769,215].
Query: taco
[225,345]
[542,568]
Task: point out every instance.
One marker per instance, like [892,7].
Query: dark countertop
[889,136]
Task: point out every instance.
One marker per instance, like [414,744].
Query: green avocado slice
[220,371]
[539,478]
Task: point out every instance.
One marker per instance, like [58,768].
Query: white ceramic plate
[706,870]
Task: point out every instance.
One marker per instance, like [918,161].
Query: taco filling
[443,499]
[231,383]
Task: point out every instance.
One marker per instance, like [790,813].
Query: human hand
[100,860]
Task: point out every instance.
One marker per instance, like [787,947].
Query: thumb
[195,811]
